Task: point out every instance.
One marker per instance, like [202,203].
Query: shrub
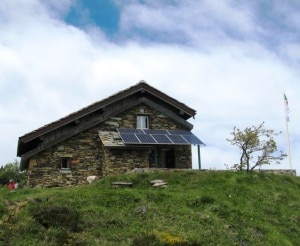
[56,216]
[12,171]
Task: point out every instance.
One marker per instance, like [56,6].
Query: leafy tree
[12,171]
[257,146]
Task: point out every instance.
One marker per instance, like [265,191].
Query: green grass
[197,208]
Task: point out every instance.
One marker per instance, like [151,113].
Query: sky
[230,60]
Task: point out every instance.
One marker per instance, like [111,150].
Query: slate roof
[30,140]
[111,139]
[141,86]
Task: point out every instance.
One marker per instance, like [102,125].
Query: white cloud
[198,23]
[49,69]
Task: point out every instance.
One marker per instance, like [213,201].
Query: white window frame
[142,122]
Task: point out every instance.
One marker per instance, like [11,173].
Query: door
[170,158]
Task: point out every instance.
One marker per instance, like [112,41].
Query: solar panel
[177,139]
[129,138]
[130,130]
[179,132]
[145,138]
[154,132]
[192,139]
[159,136]
[161,139]
[125,130]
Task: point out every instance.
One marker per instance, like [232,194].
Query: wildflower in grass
[168,239]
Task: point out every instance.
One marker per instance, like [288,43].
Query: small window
[142,122]
[65,163]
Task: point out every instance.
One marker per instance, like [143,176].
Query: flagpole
[286,109]
[289,145]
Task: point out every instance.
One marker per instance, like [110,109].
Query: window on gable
[65,163]
[142,122]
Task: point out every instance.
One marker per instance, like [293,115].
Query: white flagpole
[286,110]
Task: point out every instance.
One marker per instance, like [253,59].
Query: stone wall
[123,160]
[183,156]
[157,120]
[88,156]
[85,159]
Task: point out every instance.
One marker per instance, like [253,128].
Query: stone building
[140,127]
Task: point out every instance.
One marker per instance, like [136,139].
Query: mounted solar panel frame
[192,139]
[129,130]
[160,136]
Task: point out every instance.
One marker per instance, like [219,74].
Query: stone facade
[121,161]
[86,155]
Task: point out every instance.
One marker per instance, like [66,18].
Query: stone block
[116,118]
[60,148]
[112,123]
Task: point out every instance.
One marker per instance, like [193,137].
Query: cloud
[214,64]
[209,24]
[197,23]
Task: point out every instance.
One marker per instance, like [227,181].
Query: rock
[158,183]
[122,184]
[91,179]
[112,123]
[140,210]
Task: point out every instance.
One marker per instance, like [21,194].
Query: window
[142,122]
[65,163]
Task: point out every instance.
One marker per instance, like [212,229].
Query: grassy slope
[207,208]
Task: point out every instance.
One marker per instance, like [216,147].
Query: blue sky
[230,60]
[103,14]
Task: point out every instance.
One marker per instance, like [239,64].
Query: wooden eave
[142,87]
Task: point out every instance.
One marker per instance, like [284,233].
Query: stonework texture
[88,156]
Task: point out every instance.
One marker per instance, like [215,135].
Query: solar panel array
[147,136]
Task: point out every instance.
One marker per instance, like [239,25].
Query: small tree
[257,146]
[12,171]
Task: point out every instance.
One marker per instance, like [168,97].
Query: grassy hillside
[197,208]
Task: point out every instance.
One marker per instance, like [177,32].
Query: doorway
[169,158]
